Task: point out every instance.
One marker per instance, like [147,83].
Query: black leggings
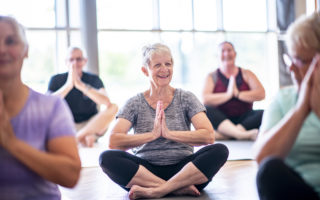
[277,181]
[121,166]
[249,120]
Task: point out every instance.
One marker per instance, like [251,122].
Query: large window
[191,28]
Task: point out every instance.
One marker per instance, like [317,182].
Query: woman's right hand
[157,120]
[315,91]
[231,86]
[6,131]
[306,89]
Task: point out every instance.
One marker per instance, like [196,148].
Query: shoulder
[90,75]
[186,97]
[60,76]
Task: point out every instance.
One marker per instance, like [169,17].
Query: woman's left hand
[6,131]
[315,91]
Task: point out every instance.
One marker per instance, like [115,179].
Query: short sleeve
[191,104]
[61,121]
[129,110]
[272,115]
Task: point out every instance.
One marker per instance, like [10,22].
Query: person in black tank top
[229,94]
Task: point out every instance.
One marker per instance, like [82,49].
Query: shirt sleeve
[129,111]
[191,104]
[272,115]
[61,121]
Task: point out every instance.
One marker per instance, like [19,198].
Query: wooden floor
[235,181]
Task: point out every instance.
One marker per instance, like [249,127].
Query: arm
[66,88]
[202,135]
[215,99]
[120,139]
[256,92]
[278,141]
[60,165]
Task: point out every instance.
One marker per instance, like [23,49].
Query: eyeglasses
[296,61]
[78,59]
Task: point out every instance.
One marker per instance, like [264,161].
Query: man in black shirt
[84,93]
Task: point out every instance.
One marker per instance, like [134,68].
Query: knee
[268,169]
[108,157]
[223,151]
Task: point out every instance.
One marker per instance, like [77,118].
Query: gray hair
[17,27]
[305,32]
[75,48]
[149,50]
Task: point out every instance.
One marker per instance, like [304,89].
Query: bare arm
[210,98]
[256,92]
[60,165]
[120,139]
[278,141]
[202,135]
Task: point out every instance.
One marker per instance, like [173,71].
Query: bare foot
[90,140]
[249,135]
[190,190]
[138,192]
[220,136]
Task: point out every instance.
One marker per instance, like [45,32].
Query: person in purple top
[38,149]
[228,94]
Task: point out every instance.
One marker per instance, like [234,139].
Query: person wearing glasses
[288,147]
[84,93]
[228,94]
[163,161]
[38,149]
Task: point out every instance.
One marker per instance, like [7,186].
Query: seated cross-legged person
[38,148]
[288,147]
[84,93]
[228,94]
[163,161]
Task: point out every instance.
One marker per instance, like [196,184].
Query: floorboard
[234,181]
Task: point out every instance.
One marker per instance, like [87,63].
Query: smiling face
[12,51]
[227,54]
[160,69]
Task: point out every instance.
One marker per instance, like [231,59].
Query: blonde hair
[17,27]
[305,32]
[149,50]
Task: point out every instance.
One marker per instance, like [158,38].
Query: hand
[164,128]
[6,130]
[77,80]
[235,90]
[231,86]
[305,89]
[70,82]
[315,90]
[157,120]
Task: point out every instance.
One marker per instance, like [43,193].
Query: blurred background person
[84,93]
[38,148]
[288,147]
[228,94]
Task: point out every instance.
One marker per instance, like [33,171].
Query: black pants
[277,181]
[249,120]
[121,166]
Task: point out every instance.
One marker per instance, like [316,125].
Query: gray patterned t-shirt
[178,118]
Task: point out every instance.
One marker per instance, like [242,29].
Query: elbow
[262,95]
[73,177]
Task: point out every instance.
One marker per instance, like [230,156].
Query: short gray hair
[149,50]
[75,48]
[17,27]
[305,32]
